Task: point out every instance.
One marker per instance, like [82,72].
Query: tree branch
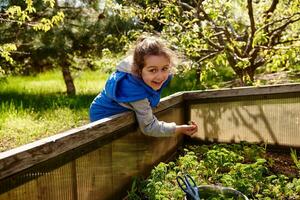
[277,48]
[271,9]
[276,21]
[208,51]
[208,56]
[252,26]
[210,42]
[186,5]
[276,33]
[268,13]
[283,26]
[214,26]
[16,21]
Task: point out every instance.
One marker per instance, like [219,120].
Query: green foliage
[246,177]
[46,24]
[5,52]
[295,158]
[25,16]
[221,159]
[205,162]
[241,35]
[77,45]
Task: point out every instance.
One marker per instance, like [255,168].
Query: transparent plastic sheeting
[272,121]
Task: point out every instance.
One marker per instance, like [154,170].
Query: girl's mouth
[157,83]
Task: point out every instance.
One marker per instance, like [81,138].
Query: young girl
[136,85]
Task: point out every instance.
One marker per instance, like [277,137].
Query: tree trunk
[198,76]
[68,79]
[250,72]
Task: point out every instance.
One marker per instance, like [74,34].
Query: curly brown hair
[150,46]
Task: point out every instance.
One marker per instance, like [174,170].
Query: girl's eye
[165,69]
[153,70]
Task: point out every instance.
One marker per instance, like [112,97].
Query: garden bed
[258,171]
[100,159]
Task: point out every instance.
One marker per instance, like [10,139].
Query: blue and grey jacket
[124,91]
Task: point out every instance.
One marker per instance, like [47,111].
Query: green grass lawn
[37,106]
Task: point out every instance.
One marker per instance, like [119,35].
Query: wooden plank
[23,157]
[28,155]
[169,101]
[242,91]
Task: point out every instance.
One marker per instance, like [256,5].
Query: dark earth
[282,163]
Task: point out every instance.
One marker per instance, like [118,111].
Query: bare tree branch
[272,8]
[277,21]
[276,33]
[269,12]
[16,21]
[186,5]
[208,56]
[283,26]
[252,26]
[208,51]
[277,48]
[288,41]
[210,42]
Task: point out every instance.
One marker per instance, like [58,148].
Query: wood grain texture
[242,91]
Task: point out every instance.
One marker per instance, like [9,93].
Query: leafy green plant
[295,158]
[251,176]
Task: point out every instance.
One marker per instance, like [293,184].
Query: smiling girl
[136,85]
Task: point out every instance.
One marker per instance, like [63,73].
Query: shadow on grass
[42,102]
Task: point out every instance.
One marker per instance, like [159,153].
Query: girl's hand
[187,129]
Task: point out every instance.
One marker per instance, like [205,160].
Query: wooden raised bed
[98,160]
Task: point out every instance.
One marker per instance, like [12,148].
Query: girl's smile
[156,71]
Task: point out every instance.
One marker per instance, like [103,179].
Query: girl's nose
[160,75]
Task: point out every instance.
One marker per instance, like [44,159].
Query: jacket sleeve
[148,123]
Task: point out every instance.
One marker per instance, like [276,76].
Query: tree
[244,35]
[24,14]
[89,27]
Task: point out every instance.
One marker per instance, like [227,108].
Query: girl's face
[155,71]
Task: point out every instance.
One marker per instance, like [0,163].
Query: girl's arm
[148,123]
[151,126]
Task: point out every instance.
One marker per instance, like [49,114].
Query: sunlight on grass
[87,82]
[19,128]
[90,82]
[49,82]
[37,106]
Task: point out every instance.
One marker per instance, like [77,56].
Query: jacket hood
[125,64]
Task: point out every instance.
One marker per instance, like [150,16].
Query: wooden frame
[90,160]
